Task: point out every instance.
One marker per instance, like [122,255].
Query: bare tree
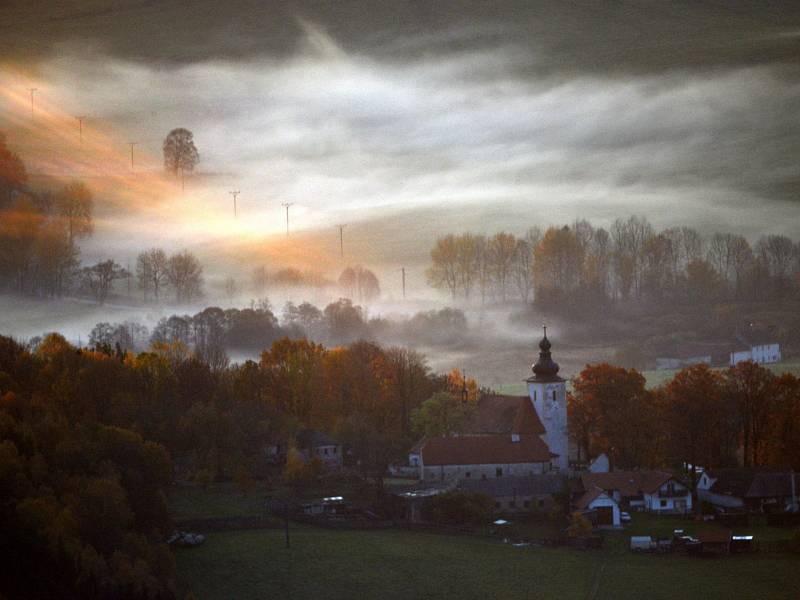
[185,274]
[98,279]
[468,249]
[522,269]
[500,250]
[151,271]
[74,205]
[443,272]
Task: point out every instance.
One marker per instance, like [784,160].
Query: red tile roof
[484,450]
[629,483]
[505,414]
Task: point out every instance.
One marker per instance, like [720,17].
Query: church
[507,435]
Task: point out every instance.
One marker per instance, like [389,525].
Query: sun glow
[134,196]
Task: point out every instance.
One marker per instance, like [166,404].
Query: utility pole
[80,128]
[234,194]
[32,90]
[132,144]
[287,205]
[341,240]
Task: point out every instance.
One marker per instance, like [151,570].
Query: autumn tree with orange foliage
[610,411]
[700,431]
[783,443]
[750,390]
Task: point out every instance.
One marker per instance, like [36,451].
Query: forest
[91,441]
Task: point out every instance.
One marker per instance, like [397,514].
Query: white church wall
[489,471]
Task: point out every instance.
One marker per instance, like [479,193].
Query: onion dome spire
[545,366]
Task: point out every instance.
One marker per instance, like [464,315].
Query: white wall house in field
[762,354]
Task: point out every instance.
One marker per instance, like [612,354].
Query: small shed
[605,508]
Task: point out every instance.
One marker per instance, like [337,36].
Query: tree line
[745,414]
[213,332]
[582,265]
[355,282]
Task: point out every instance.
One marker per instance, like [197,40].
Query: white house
[761,353]
[651,491]
[602,504]
[316,444]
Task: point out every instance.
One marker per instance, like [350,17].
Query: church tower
[548,393]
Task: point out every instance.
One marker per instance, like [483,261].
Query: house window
[663,504]
[326,452]
[554,395]
[334,449]
[483,475]
[498,472]
[512,504]
[467,474]
[534,395]
[497,505]
[541,502]
[527,504]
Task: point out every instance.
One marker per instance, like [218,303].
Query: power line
[287,205]
[132,144]
[80,128]
[234,194]
[341,240]
[32,91]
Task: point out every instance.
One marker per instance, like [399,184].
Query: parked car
[642,543]
[625,517]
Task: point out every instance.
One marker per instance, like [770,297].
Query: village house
[757,347]
[754,490]
[600,507]
[316,444]
[516,495]
[516,436]
[311,443]
[650,491]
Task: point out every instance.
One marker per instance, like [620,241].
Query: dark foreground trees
[90,439]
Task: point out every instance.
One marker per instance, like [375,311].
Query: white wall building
[605,507]
[762,354]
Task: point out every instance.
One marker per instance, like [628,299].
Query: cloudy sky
[445,116]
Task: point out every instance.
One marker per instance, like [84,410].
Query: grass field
[394,564]
[324,564]
[219,500]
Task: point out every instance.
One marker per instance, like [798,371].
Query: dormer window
[515,437]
